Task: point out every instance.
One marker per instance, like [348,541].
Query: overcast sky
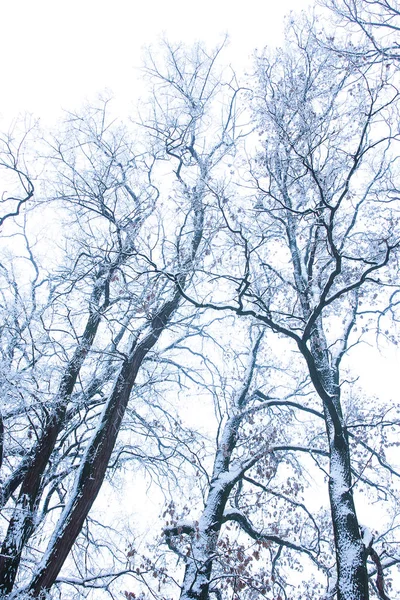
[55,55]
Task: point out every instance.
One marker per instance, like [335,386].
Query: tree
[378,22]
[252,449]
[312,241]
[234,244]
[109,188]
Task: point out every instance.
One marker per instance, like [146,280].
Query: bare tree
[375,23]
[109,301]
[253,444]
[268,213]
[315,237]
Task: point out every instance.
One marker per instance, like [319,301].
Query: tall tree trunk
[351,555]
[94,464]
[196,581]
[352,574]
[204,543]
[22,522]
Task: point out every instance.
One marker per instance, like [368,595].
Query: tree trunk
[351,556]
[22,522]
[196,581]
[95,462]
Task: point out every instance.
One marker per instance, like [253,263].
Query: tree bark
[22,521]
[351,555]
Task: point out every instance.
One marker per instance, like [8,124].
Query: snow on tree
[226,254]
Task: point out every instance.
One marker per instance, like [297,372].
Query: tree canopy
[185,300]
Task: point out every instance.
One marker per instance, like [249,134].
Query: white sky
[55,55]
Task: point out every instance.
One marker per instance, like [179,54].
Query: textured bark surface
[30,474]
[96,459]
[351,556]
